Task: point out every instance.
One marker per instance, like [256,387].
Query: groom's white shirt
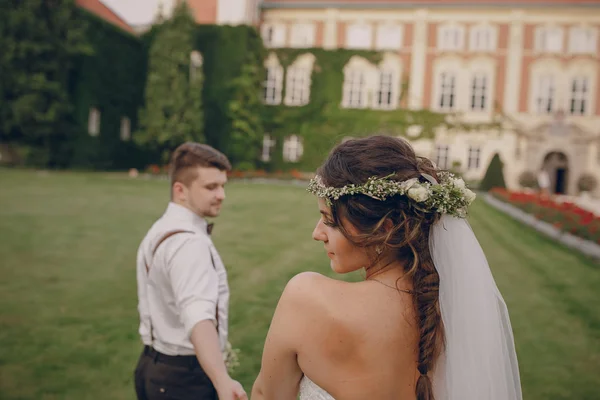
[183,287]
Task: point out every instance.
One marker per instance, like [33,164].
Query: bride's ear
[388,225]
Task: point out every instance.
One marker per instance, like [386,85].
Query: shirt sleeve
[194,282]
[143,309]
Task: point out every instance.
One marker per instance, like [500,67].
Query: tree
[40,42]
[173,109]
[494,176]
[244,110]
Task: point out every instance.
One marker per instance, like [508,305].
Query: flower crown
[448,196]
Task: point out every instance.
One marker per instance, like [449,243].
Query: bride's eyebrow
[325,213]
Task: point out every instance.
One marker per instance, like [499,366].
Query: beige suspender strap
[162,239]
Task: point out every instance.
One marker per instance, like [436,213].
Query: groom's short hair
[190,155]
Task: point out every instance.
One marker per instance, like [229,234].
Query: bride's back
[360,340]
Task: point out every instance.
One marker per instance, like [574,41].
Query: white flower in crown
[406,185]
[418,193]
[459,183]
[469,195]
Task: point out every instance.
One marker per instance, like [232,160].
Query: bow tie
[209,227]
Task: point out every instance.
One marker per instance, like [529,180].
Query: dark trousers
[161,377]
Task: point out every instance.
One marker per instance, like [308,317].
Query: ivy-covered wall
[323,123]
[111,79]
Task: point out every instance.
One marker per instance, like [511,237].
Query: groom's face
[344,255]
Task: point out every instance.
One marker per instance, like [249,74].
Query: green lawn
[68,319]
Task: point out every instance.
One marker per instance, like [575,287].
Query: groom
[183,294]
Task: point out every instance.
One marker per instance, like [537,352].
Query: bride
[428,321]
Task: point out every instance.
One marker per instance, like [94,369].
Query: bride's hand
[231,390]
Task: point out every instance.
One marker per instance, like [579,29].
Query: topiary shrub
[587,183]
[527,179]
[494,176]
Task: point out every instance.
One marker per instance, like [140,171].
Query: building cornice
[425,4]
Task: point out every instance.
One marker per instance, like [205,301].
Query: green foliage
[112,80]
[40,41]
[173,107]
[323,122]
[494,176]
[244,113]
[233,66]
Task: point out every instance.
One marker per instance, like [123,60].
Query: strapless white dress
[310,391]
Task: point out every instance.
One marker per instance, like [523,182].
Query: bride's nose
[318,233]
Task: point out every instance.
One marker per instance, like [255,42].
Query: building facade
[532,63]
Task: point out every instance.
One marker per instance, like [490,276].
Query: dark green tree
[173,108]
[245,115]
[494,176]
[40,42]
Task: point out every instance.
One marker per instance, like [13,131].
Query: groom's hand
[231,390]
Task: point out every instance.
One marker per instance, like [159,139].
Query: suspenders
[162,239]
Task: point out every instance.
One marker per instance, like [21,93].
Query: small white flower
[459,183]
[418,193]
[469,195]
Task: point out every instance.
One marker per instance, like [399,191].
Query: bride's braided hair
[353,162]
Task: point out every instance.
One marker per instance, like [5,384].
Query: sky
[135,12]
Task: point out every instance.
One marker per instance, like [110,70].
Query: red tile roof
[102,11]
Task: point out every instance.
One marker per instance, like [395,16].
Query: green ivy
[323,123]
[112,79]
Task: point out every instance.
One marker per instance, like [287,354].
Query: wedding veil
[479,359]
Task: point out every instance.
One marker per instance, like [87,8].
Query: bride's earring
[378,250]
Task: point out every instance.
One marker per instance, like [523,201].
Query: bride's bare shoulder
[315,286]
[314,295]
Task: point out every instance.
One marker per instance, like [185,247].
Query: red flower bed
[567,217]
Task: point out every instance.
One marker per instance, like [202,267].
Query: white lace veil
[479,360]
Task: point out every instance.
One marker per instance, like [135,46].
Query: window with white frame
[389,37]
[267,148]
[474,157]
[549,39]
[292,148]
[579,95]
[297,92]
[447,96]
[125,129]
[482,38]
[94,122]
[582,40]
[442,156]
[385,97]
[354,92]
[479,87]
[195,65]
[544,100]
[302,35]
[359,36]
[451,37]
[273,85]
[273,35]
